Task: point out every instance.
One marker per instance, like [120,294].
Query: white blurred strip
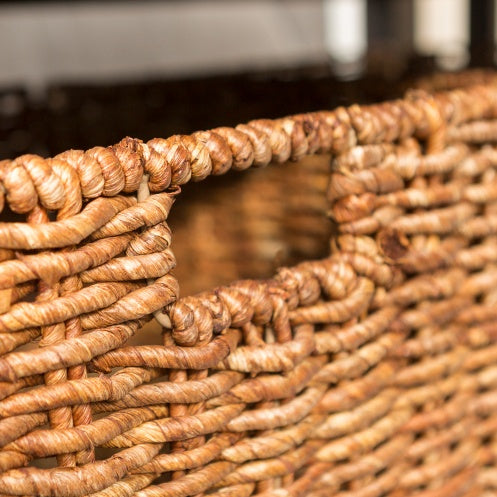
[113,40]
[441,27]
[345,29]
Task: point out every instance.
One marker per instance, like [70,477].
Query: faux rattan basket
[369,369]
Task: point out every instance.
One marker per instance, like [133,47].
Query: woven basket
[369,369]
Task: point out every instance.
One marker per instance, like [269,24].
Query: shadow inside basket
[247,224]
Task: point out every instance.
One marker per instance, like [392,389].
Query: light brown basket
[367,370]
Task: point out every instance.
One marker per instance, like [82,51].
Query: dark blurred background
[78,74]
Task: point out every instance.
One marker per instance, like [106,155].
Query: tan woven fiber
[368,369]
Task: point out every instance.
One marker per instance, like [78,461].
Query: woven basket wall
[368,369]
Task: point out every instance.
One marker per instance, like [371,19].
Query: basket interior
[247,224]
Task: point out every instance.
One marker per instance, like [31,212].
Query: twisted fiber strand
[194,390]
[273,357]
[135,305]
[441,389]
[364,440]
[46,442]
[290,412]
[171,357]
[26,314]
[434,314]
[273,444]
[354,365]
[78,350]
[475,132]
[241,490]
[13,427]
[455,462]
[347,395]
[8,388]
[435,368]
[381,274]
[12,459]
[401,164]
[422,447]
[457,486]
[54,266]
[351,337]
[79,481]
[255,471]
[192,484]
[271,387]
[377,487]
[127,486]
[333,476]
[190,459]
[63,233]
[433,341]
[178,428]
[148,212]
[359,418]
[77,391]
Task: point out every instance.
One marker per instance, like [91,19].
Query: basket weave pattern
[370,372]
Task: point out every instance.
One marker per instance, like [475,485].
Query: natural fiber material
[369,372]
